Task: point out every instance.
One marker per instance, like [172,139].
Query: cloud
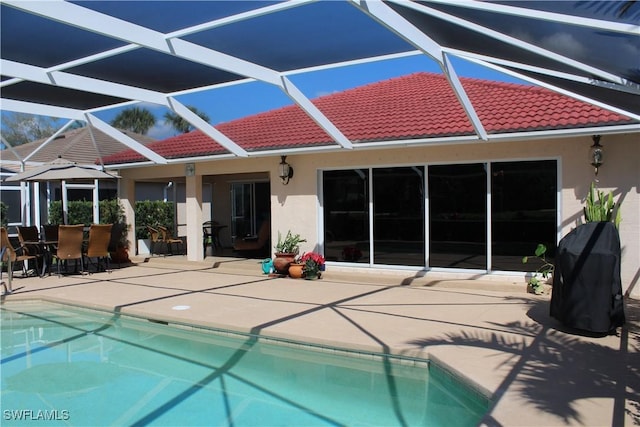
[161,131]
[324,93]
[565,44]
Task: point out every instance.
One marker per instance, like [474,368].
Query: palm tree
[138,120]
[180,124]
[625,9]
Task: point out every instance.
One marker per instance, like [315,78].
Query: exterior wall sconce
[190,169]
[596,154]
[285,171]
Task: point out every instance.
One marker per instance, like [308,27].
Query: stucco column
[127,196]
[193,189]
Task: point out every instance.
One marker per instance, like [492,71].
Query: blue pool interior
[80,367]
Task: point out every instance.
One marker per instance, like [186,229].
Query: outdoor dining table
[47,256]
[49,247]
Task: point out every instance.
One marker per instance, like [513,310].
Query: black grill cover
[587,289]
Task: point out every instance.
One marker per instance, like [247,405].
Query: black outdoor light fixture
[596,154]
[285,171]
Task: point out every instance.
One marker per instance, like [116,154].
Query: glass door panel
[346,215]
[523,211]
[241,209]
[398,220]
[458,216]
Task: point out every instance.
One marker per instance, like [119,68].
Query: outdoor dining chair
[258,244]
[29,238]
[98,245]
[50,232]
[69,245]
[169,240]
[156,240]
[12,256]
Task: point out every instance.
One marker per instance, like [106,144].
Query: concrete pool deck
[495,334]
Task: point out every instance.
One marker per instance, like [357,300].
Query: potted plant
[120,249]
[535,284]
[313,265]
[286,250]
[600,208]
[296,268]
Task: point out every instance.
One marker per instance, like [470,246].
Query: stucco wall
[297,203]
[296,206]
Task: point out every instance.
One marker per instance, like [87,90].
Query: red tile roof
[420,105]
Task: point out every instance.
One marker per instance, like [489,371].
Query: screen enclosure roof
[76,59]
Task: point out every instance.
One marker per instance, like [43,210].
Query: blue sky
[233,102]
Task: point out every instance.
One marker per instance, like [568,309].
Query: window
[11,196]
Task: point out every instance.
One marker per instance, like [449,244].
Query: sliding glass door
[479,216]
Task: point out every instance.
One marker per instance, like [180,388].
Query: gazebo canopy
[75,59]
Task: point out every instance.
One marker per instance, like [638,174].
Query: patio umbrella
[62,170]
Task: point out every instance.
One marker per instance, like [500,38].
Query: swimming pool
[73,366]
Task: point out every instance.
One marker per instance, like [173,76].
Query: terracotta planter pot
[282,261]
[295,270]
[121,255]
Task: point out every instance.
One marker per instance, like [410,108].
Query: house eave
[398,143]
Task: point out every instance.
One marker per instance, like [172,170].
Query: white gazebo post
[96,203]
[36,205]
[49,199]
[26,208]
[65,213]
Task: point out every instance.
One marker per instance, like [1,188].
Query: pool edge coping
[410,356]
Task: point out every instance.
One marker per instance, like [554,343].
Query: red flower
[312,256]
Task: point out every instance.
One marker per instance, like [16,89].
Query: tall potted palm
[287,249]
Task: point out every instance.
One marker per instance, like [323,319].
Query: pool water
[66,366]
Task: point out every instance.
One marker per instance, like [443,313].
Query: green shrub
[111,212]
[81,212]
[78,212]
[147,212]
